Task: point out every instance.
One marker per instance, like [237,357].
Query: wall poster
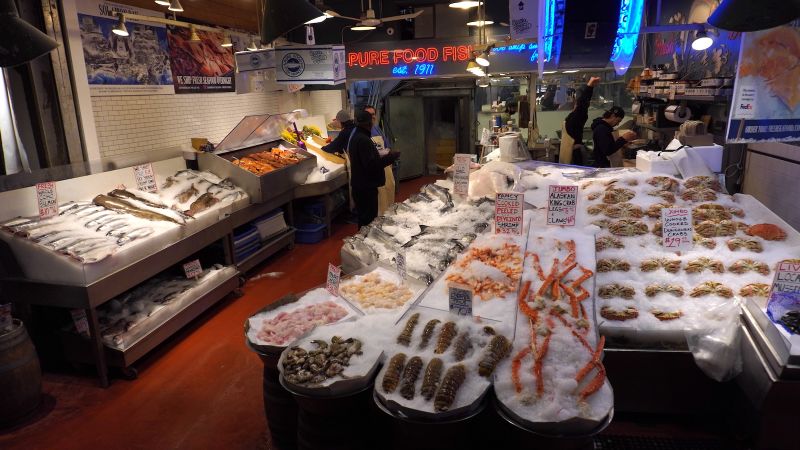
[200,66]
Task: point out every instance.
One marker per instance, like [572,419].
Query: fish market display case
[252,135]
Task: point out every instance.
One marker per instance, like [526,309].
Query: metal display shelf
[285,239]
[76,347]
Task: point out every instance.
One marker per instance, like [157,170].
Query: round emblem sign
[293,65]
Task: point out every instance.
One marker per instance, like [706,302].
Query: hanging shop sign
[135,65]
[766,95]
[523,18]
[255,60]
[202,66]
[310,64]
[434,58]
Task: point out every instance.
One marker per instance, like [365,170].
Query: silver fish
[420,197]
[124,206]
[61,244]
[84,245]
[97,254]
[98,218]
[135,234]
[17,222]
[112,224]
[438,192]
[52,236]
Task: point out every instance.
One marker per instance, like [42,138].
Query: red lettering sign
[409,55]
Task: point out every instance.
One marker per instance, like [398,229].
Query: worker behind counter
[339,144]
[367,167]
[572,134]
[602,134]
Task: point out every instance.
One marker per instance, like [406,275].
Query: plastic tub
[309,233]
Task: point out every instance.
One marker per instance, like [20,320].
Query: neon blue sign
[630,20]
[420,70]
[518,48]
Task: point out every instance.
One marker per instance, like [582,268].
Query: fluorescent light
[465,4]
[162,2]
[226,41]
[319,19]
[120,29]
[571,71]
[549,71]
[362,28]
[702,41]
[479,23]
[483,59]
[175,5]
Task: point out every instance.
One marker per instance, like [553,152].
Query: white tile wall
[128,124]
[324,103]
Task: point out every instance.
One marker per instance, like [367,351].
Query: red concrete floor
[201,389]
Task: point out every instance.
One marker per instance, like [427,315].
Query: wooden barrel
[20,375]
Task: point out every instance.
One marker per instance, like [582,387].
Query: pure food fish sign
[145,178]
[47,199]
[334,277]
[508,213]
[677,228]
[562,205]
[460,299]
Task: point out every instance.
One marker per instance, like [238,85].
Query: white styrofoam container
[712,156]
[645,163]
[272,226]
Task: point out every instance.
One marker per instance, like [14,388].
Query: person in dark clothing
[604,143]
[548,101]
[575,121]
[339,144]
[367,168]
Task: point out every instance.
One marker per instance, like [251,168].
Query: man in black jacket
[574,123]
[604,143]
[367,168]
[339,145]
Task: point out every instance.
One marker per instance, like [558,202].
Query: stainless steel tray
[260,188]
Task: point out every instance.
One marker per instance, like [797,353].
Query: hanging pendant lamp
[20,41]
[749,15]
[283,16]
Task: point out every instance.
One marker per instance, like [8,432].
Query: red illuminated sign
[447,53]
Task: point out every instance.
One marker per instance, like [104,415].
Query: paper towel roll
[678,113]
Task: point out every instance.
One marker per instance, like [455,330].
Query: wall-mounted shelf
[690,98]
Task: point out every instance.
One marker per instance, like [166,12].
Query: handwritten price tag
[461,163]
[80,321]
[47,199]
[460,299]
[334,278]
[145,178]
[508,213]
[400,260]
[562,205]
[787,277]
[193,269]
[677,231]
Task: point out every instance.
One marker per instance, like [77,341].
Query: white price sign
[80,321]
[193,269]
[461,165]
[508,213]
[145,178]
[334,278]
[677,229]
[787,277]
[562,205]
[400,260]
[460,299]
[47,199]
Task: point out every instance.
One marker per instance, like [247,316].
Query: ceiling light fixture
[472,66]
[465,4]
[175,5]
[120,29]
[253,45]
[483,59]
[162,2]
[193,34]
[547,72]
[362,28]
[325,16]
[226,41]
[702,41]
[569,71]
[479,23]
[483,82]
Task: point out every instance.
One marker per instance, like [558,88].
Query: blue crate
[309,233]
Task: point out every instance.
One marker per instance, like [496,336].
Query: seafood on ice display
[91,231]
[491,267]
[336,358]
[643,287]
[264,162]
[126,318]
[440,365]
[380,290]
[429,227]
[555,380]
[280,326]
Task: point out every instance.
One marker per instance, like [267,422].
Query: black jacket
[604,143]
[576,119]
[339,144]
[366,164]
